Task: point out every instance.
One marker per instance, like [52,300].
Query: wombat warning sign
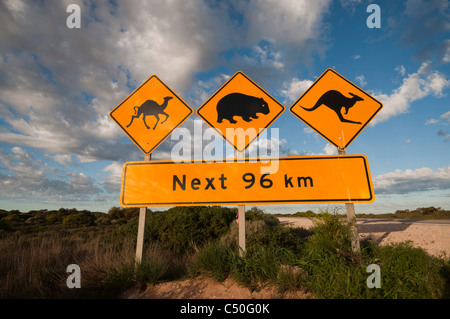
[240,111]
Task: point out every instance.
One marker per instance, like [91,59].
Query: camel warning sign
[336,108]
[150,114]
[308,179]
[240,111]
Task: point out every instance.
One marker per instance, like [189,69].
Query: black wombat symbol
[335,101]
[237,104]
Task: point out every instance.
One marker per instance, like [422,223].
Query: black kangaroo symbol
[150,107]
[335,101]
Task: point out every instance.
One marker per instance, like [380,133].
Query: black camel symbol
[150,107]
[335,101]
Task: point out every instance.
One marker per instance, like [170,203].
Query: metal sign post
[241,218]
[141,226]
[351,218]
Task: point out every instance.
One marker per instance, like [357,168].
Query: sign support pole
[141,226]
[351,219]
[241,218]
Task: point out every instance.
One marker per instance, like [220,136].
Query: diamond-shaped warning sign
[150,114]
[240,111]
[336,108]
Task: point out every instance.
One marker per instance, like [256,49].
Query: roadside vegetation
[418,213]
[185,242]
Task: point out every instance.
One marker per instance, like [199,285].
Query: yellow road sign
[309,179]
[150,114]
[240,111]
[336,108]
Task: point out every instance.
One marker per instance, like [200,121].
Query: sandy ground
[208,288]
[434,238]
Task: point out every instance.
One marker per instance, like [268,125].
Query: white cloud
[415,86]
[445,135]
[285,21]
[401,69]
[113,181]
[330,150]
[274,36]
[32,179]
[294,89]
[444,119]
[408,181]
[63,159]
[57,85]
[362,80]
[446,57]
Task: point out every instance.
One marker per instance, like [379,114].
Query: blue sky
[59,148]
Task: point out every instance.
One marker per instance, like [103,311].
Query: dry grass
[34,265]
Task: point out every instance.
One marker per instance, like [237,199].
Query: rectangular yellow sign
[311,179]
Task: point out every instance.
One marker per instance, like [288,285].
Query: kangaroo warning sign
[308,179]
[336,108]
[150,114]
[240,111]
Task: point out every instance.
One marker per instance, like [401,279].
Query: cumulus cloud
[281,21]
[415,86]
[294,89]
[57,85]
[112,182]
[408,181]
[361,80]
[421,25]
[329,150]
[32,179]
[444,119]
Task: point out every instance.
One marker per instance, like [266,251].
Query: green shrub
[180,228]
[126,213]
[409,272]
[258,266]
[214,258]
[334,271]
[290,238]
[51,217]
[78,219]
[330,234]
[257,214]
[4,225]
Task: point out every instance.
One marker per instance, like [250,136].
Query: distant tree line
[418,213]
[36,220]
